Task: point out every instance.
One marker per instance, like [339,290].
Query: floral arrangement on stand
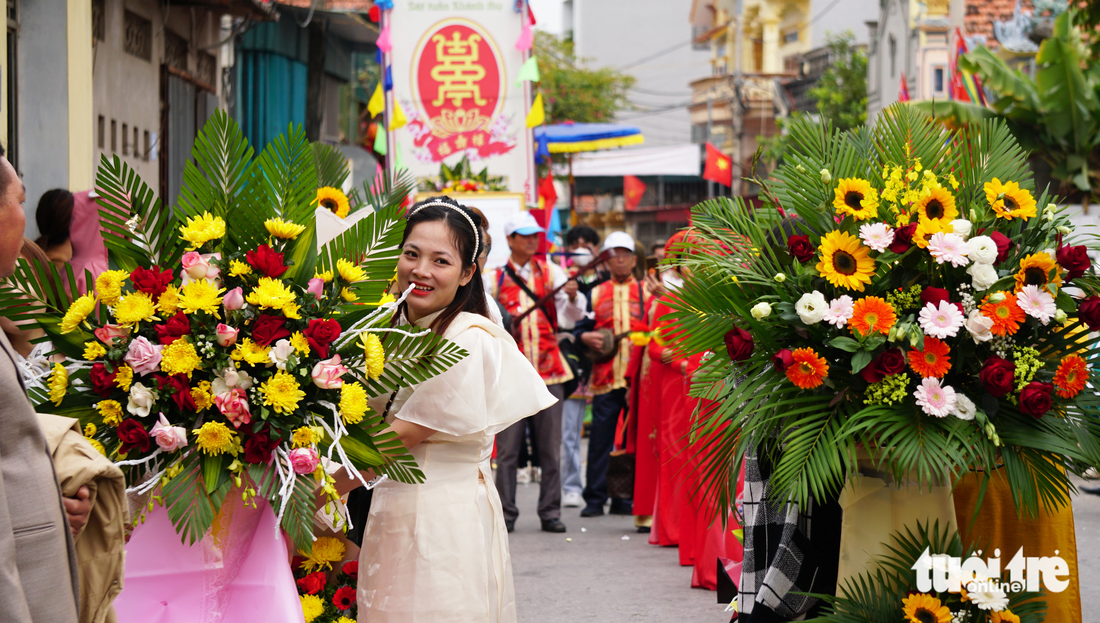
[926,311]
[461,178]
[227,354]
[327,594]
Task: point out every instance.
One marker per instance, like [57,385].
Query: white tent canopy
[675,160]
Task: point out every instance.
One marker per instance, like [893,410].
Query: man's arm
[13,604]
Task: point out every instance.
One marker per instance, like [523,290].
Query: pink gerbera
[948,248]
[840,310]
[935,399]
[1036,303]
[942,321]
[878,236]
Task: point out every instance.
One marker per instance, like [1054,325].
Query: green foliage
[573,92]
[462,178]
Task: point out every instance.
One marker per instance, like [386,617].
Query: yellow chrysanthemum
[350,272]
[124,376]
[1035,270]
[238,268]
[845,262]
[348,295]
[200,230]
[250,352]
[856,197]
[334,200]
[169,302]
[936,204]
[300,343]
[201,295]
[1009,200]
[286,230]
[93,351]
[270,294]
[344,620]
[326,551]
[77,312]
[353,402]
[374,356]
[325,276]
[58,383]
[135,307]
[90,430]
[305,436]
[109,286]
[214,438]
[926,229]
[110,411]
[180,357]
[386,298]
[312,607]
[202,396]
[282,393]
[291,311]
[98,446]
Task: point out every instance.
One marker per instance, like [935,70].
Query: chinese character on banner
[459,86]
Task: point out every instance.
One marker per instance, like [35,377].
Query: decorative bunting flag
[537,116]
[377,101]
[397,117]
[388,82]
[380,141]
[374,14]
[903,90]
[398,157]
[529,71]
[376,185]
[385,5]
[719,166]
[378,57]
[384,42]
[526,38]
[633,190]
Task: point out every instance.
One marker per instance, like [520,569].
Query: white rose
[979,326]
[761,311]
[280,353]
[961,227]
[141,400]
[229,378]
[981,250]
[811,307]
[984,276]
[964,407]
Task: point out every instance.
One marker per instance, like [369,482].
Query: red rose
[313,583]
[320,333]
[344,598]
[1075,260]
[1035,398]
[103,382]
[297,562]
[903,238]
[132,435]
[267,329]
[800,248]
[1004,245]
[1089,311]
[935,296]
[998,376]
[351,568]
[266,261]
[179,389]
[783,360]
[173,328]
[738,344]
[151,281]
[259,446]
[890,361]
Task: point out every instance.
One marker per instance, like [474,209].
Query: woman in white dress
[438,551]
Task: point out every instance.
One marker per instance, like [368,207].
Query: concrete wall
[882,83]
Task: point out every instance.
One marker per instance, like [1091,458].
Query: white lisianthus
[811,307]
[761,311]
[981,250]
[1060,317]
[964,407]
[984,276]
[979,326]
[961,227]
[780,277]
[280,353]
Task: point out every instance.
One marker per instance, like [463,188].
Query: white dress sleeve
[490,389]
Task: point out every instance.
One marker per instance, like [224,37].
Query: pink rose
[226,335]
[143,356]
[234,299]
[169,438]
[327,373]
[234,406]
[197,266]
[108,333]
[316,287]
[304,460]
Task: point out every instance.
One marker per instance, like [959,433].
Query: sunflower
[856,197]
[924,608]
[872,314]
[926,229]
[1004,616]
[1006,314]
[333,200]
[844,261]
[1009,200]
[1070,377]
[936,204]
[808,370]
[933,360]
[1035,270]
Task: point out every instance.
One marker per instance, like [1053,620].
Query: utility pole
[735,99]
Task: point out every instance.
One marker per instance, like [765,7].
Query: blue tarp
[272,95]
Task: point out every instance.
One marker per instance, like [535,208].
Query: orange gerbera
[1006,315]
[870,314]
[808,370]
[1070,377]
[933,360]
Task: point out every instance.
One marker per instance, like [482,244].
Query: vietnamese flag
[633,189]
[903,90]
[719,166]
[547,192]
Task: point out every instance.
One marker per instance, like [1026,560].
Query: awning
[569,137]
[674,160]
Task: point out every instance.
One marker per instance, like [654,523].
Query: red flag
[965,87]
[903,90]
[633,189]
[547,192]
[718,167]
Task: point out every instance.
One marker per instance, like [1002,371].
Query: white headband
[443,204]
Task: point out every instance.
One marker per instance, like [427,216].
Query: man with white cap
[518,285]
[618,305]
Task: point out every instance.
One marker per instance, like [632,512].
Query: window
[139,36]
[137,147]
[99,24]
[696,44]
[938,79]
[145,152]
[114,136]
[893,56]
[125,139]
[102,131]
[791,37]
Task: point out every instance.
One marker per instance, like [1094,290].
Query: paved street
[1086,513]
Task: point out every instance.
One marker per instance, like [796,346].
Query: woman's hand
[655,286]
[593,339]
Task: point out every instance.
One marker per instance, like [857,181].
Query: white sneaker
[523,475]
[572,500]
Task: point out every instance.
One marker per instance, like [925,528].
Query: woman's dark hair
[53,216]
[470,297]
[579,233]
